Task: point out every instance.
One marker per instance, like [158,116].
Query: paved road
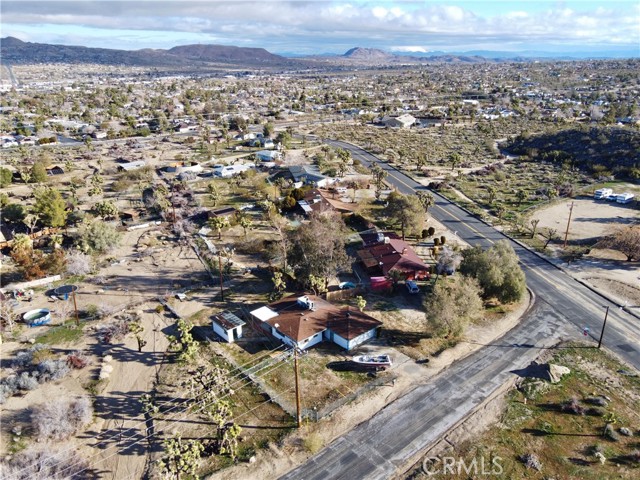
[563,307]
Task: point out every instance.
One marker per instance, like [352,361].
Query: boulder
[556,372]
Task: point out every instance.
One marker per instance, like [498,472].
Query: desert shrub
[597,401]
[8,387]
[594,412]
[77,360]
[312,443]
[443,240]
[45,464]
[27,381]
[436,242]
[573,406]
[41,354]
[114,331]
[531,460]
[53,370]
[79,263]
[61,418]
[25,358]
[610,433]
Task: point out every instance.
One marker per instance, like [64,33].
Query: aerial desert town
[223,263]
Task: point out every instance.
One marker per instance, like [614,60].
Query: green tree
[497,271]
[455,159]
[184,343]
[521,196]
[218,223]
[378,175]
[405,211]
[39,173]
[6,177]
[245,222]
[284,139]
[180,457]
[227,431]
[491,194]
[98,237]
[214,193]
[453,304]
[426,199]
[279,285]
[361,303]
[106,209]
[13,213]
[50,207]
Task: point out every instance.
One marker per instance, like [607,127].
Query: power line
[204,405]
[242,415]
[240,369]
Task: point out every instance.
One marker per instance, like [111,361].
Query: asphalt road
[376,448]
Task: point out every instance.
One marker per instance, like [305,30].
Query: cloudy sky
[581,27]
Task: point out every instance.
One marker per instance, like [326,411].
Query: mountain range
[17,52]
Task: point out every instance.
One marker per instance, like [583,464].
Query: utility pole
[295,364]
[220,270]
[606,314]
[566,233]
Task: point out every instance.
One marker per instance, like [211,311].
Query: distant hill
[367,54]
[374,56]
[223,53]
[16,52]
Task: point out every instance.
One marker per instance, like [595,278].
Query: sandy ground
[134,281]
[605,270]
[118,434]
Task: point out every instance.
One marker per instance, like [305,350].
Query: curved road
[396,435]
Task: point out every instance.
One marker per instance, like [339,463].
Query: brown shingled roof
[298,322]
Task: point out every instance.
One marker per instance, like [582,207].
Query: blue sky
[578,27]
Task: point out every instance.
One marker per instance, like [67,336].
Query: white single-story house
[228,326]
[128,167]
[304,321]
[268,155]
[403,121]
[231,170]
[182,167]
[309,175]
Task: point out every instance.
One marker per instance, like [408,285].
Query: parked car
[346,285]
[412,286]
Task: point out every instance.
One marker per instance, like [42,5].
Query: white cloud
[324,25]
[409,49]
